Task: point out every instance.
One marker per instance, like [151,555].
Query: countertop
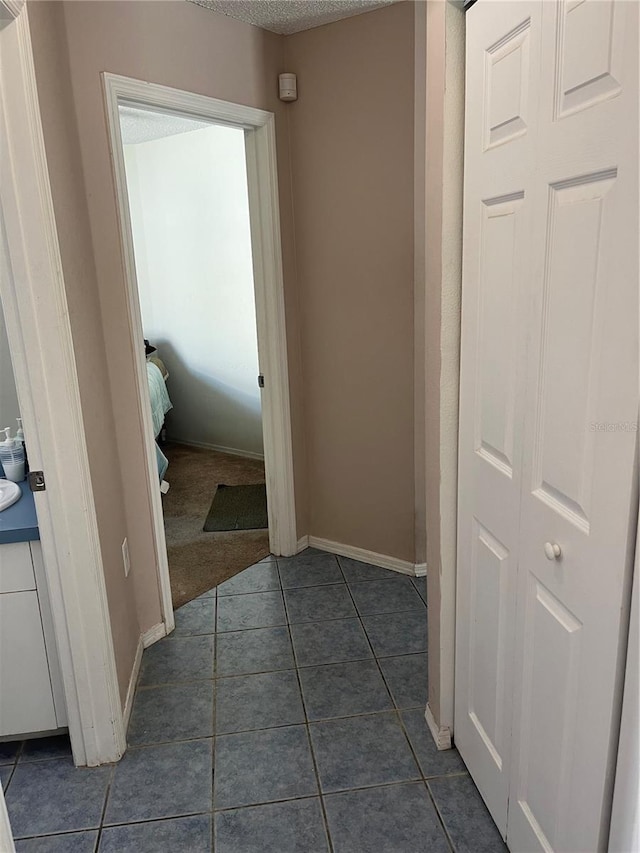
[19,522]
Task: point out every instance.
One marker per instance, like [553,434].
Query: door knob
[552,551]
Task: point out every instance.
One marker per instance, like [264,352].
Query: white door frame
[259,127]
[39,332]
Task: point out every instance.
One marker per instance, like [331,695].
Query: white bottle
[20,433]
[12,457]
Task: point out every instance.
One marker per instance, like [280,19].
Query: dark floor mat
[238,508]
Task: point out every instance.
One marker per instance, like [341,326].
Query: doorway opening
[197,194]
[189,209]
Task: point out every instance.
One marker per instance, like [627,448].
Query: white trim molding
[133,681]
[266,243]
[264,214]
[395,564]
[154,634]
[232,451]
[37,318]
[144,641]
[440,734]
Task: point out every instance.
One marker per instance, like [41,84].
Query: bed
[160,405]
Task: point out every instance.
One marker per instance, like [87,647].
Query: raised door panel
[571,340]
[492,579]
[507,70]
[589,67]
[550,667]
[496,352]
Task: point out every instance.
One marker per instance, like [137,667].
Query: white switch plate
[125,558]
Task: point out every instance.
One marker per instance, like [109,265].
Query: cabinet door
[26,703]
[579,474]
[16,569]
[51,646]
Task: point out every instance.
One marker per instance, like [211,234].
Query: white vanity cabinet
[31,695]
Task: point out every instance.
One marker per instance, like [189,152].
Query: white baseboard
[144,641]
[440,734]
[154,634]
[421,570]
[232,451]
[303,543]
[361,554]
[133,681]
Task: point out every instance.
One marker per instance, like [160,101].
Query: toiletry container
[12,457]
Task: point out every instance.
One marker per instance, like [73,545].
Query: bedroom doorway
[189,209]
[198,206]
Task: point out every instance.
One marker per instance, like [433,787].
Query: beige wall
[352,169]
[176,44]
[70,205]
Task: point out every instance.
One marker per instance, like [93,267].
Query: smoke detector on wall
[288,86]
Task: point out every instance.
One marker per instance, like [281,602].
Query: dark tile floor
[284,715]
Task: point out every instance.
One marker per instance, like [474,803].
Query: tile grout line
[174,636]
[406,734]
[59,833]
[393,701]
[13,764]
[161,684]
[137,822]
[404,730]
[439,816]
[397,710]
[393,710]
[5,788]
[384,681]
[394,784]
[373,652]
[104,806]
[316,772]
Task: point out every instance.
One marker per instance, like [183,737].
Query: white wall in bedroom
[190,222]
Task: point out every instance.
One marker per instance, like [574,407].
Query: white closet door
[502,71]
[579,469]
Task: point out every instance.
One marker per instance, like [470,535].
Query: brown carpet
[199,561]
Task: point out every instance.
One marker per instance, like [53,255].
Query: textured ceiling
[291,16]
[139,125]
